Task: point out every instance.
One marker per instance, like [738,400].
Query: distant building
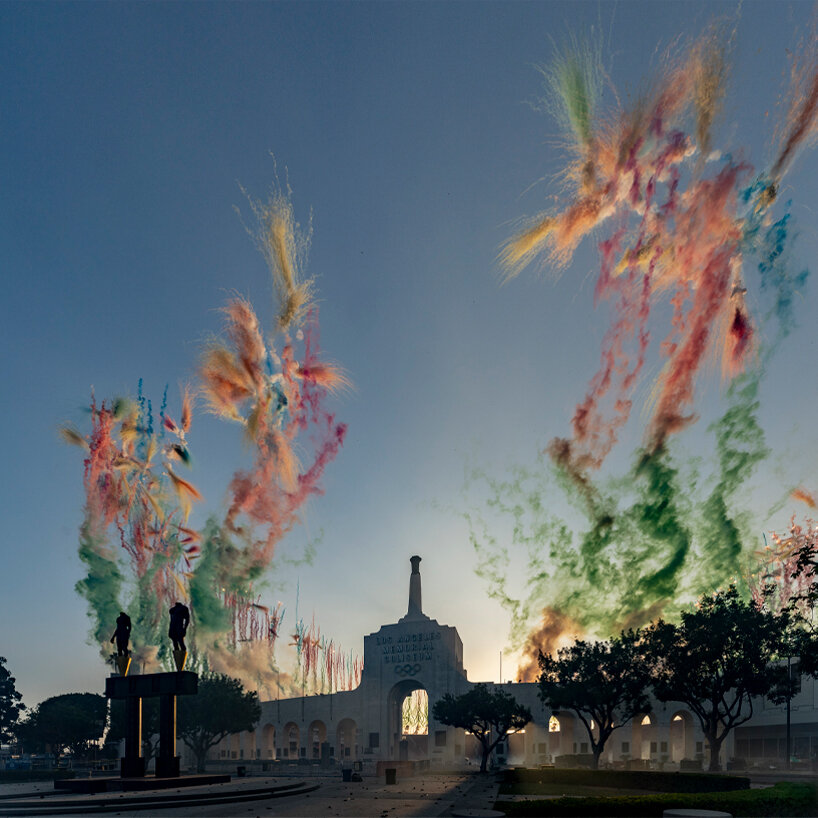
[410,664]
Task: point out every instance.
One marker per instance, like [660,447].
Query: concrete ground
[424,795]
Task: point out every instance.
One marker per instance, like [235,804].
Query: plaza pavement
[423,795]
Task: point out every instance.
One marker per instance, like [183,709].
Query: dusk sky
[414,135]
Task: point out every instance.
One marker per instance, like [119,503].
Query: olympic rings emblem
[407,669]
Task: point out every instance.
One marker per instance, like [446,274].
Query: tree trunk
[201,758]
[715,749]
[596,754]
[484,760]
[199,753]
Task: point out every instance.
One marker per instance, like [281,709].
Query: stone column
[133,764]
[167,764]
[415,603]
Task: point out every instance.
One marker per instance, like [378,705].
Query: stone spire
[415,610]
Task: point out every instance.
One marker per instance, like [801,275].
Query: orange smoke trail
[805,497]
[554,632]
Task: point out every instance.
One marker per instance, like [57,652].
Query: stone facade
[418,653]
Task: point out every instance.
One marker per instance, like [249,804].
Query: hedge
[784,799]
[629,780]
[14,776]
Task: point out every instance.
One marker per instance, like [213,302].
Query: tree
[716,660]
[786,686]
[605,683]
[221,707]
[804,539]
[798,648]
[68,722]
[488,715]
[10,703]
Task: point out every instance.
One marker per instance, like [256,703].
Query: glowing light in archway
[415,714]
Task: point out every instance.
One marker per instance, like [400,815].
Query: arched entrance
[682,741]
[643,737]
[268,741]
[561,734]
[515,746]
[291,740]
[345,741]
[408,705]
[249,748]
[316,737]
[235,741]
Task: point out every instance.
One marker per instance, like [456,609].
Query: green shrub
[630,780]
[784,799]
[574,760]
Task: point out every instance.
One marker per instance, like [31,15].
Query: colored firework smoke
[641,546]
[415,714]
[134,497]
[321,665]
[683,223]
[781,580]
[681,220]
[137,504]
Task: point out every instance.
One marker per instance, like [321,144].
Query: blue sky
[410,132]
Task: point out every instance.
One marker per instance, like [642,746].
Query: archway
[346,745]
[223,748]
[408,706]
[291,740]
[561,734]
[249,745]
[515,746]
[643,737]
[316,736]
[682,740]
[268,741]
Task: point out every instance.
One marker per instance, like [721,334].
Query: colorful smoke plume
[138,548]
[685,228]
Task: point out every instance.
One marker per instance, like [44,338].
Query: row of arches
[291,743]
[644,738]
[651,738]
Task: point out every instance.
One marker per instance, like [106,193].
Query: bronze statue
[179,620]
[122,634]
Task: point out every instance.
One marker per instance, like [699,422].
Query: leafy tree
[797,651]
[221,707]
[29,735]
[488,715]
[716,660]
[605,683]
[68,722]
[10,703]
[804,637]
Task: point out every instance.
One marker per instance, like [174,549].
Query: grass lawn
[784,799]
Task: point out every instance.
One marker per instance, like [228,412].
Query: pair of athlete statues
[179,621]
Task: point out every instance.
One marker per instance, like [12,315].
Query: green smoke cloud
[647,543]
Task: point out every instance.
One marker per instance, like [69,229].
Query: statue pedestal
[167,767]
[165,686]
[132,767]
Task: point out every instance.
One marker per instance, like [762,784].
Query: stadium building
[411,663]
